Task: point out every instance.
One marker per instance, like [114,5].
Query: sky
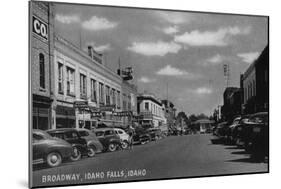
[175,55]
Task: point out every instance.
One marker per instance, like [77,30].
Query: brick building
[41,61]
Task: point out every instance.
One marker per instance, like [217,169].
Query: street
[174,156]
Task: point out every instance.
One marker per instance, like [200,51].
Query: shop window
[42,70]
[60,78]
[83,87]
[93,90]
[70,81]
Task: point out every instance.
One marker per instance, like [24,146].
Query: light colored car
[125,138]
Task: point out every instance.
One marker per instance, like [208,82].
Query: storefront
[65,117]
[41,112]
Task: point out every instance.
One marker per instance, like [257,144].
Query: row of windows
[250,90]
[154,108]
[107,95]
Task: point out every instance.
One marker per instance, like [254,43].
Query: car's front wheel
[91,151]
[112,147]
[124,145]
[54,159]
[76,155]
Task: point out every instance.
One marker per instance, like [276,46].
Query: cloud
[171,30]
[98,23]
[214,60]
[174,17]
[159,48]
[249,57]
[203,90]
[210,38]
[67,19]
[171,71]
[146,80]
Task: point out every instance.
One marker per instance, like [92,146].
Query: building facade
[82,77]
[255,85]
[151,111]
[170,113]
[232,103]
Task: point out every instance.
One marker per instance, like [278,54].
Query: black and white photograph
[122,94]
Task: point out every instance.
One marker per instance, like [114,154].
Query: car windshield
[84,133]
[99,133]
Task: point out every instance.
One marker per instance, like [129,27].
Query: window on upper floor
[146,106]
[60,78]
[93,90]
[83,86]
[42,70]
[101,93]
[70,81]
[107,95]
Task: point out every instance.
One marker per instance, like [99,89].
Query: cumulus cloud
[211,38]
[172,71]
[159,48]
[146,80]
[214,60]
[174,17]
[98,23]
[67,19]
[171,30]
[248,57]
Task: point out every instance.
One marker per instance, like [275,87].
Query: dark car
[108,138]
[221,128]
[78,143]
[141,136]
[47,149]
[154,133]
[236,130]
[258,139]
[92,141]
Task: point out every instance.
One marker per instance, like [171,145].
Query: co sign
[40,28]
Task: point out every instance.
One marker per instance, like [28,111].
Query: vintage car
[109,139]
[78,143]
[259,137]
[141,136]
[92,141]
[49,150]
[155,133]
[125,138]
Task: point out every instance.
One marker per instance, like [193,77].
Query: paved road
[175,156]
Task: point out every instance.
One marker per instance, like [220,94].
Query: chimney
[90,51]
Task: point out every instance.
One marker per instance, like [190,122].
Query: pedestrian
[131,135]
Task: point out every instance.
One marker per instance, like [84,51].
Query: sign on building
[40,28]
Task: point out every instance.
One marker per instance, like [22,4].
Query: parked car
[221,128]
[236,130]
[92,141]
[141,136]
[47,149]
[259,137]
[109,139]
[78,143]
[155,134]
[125,138]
